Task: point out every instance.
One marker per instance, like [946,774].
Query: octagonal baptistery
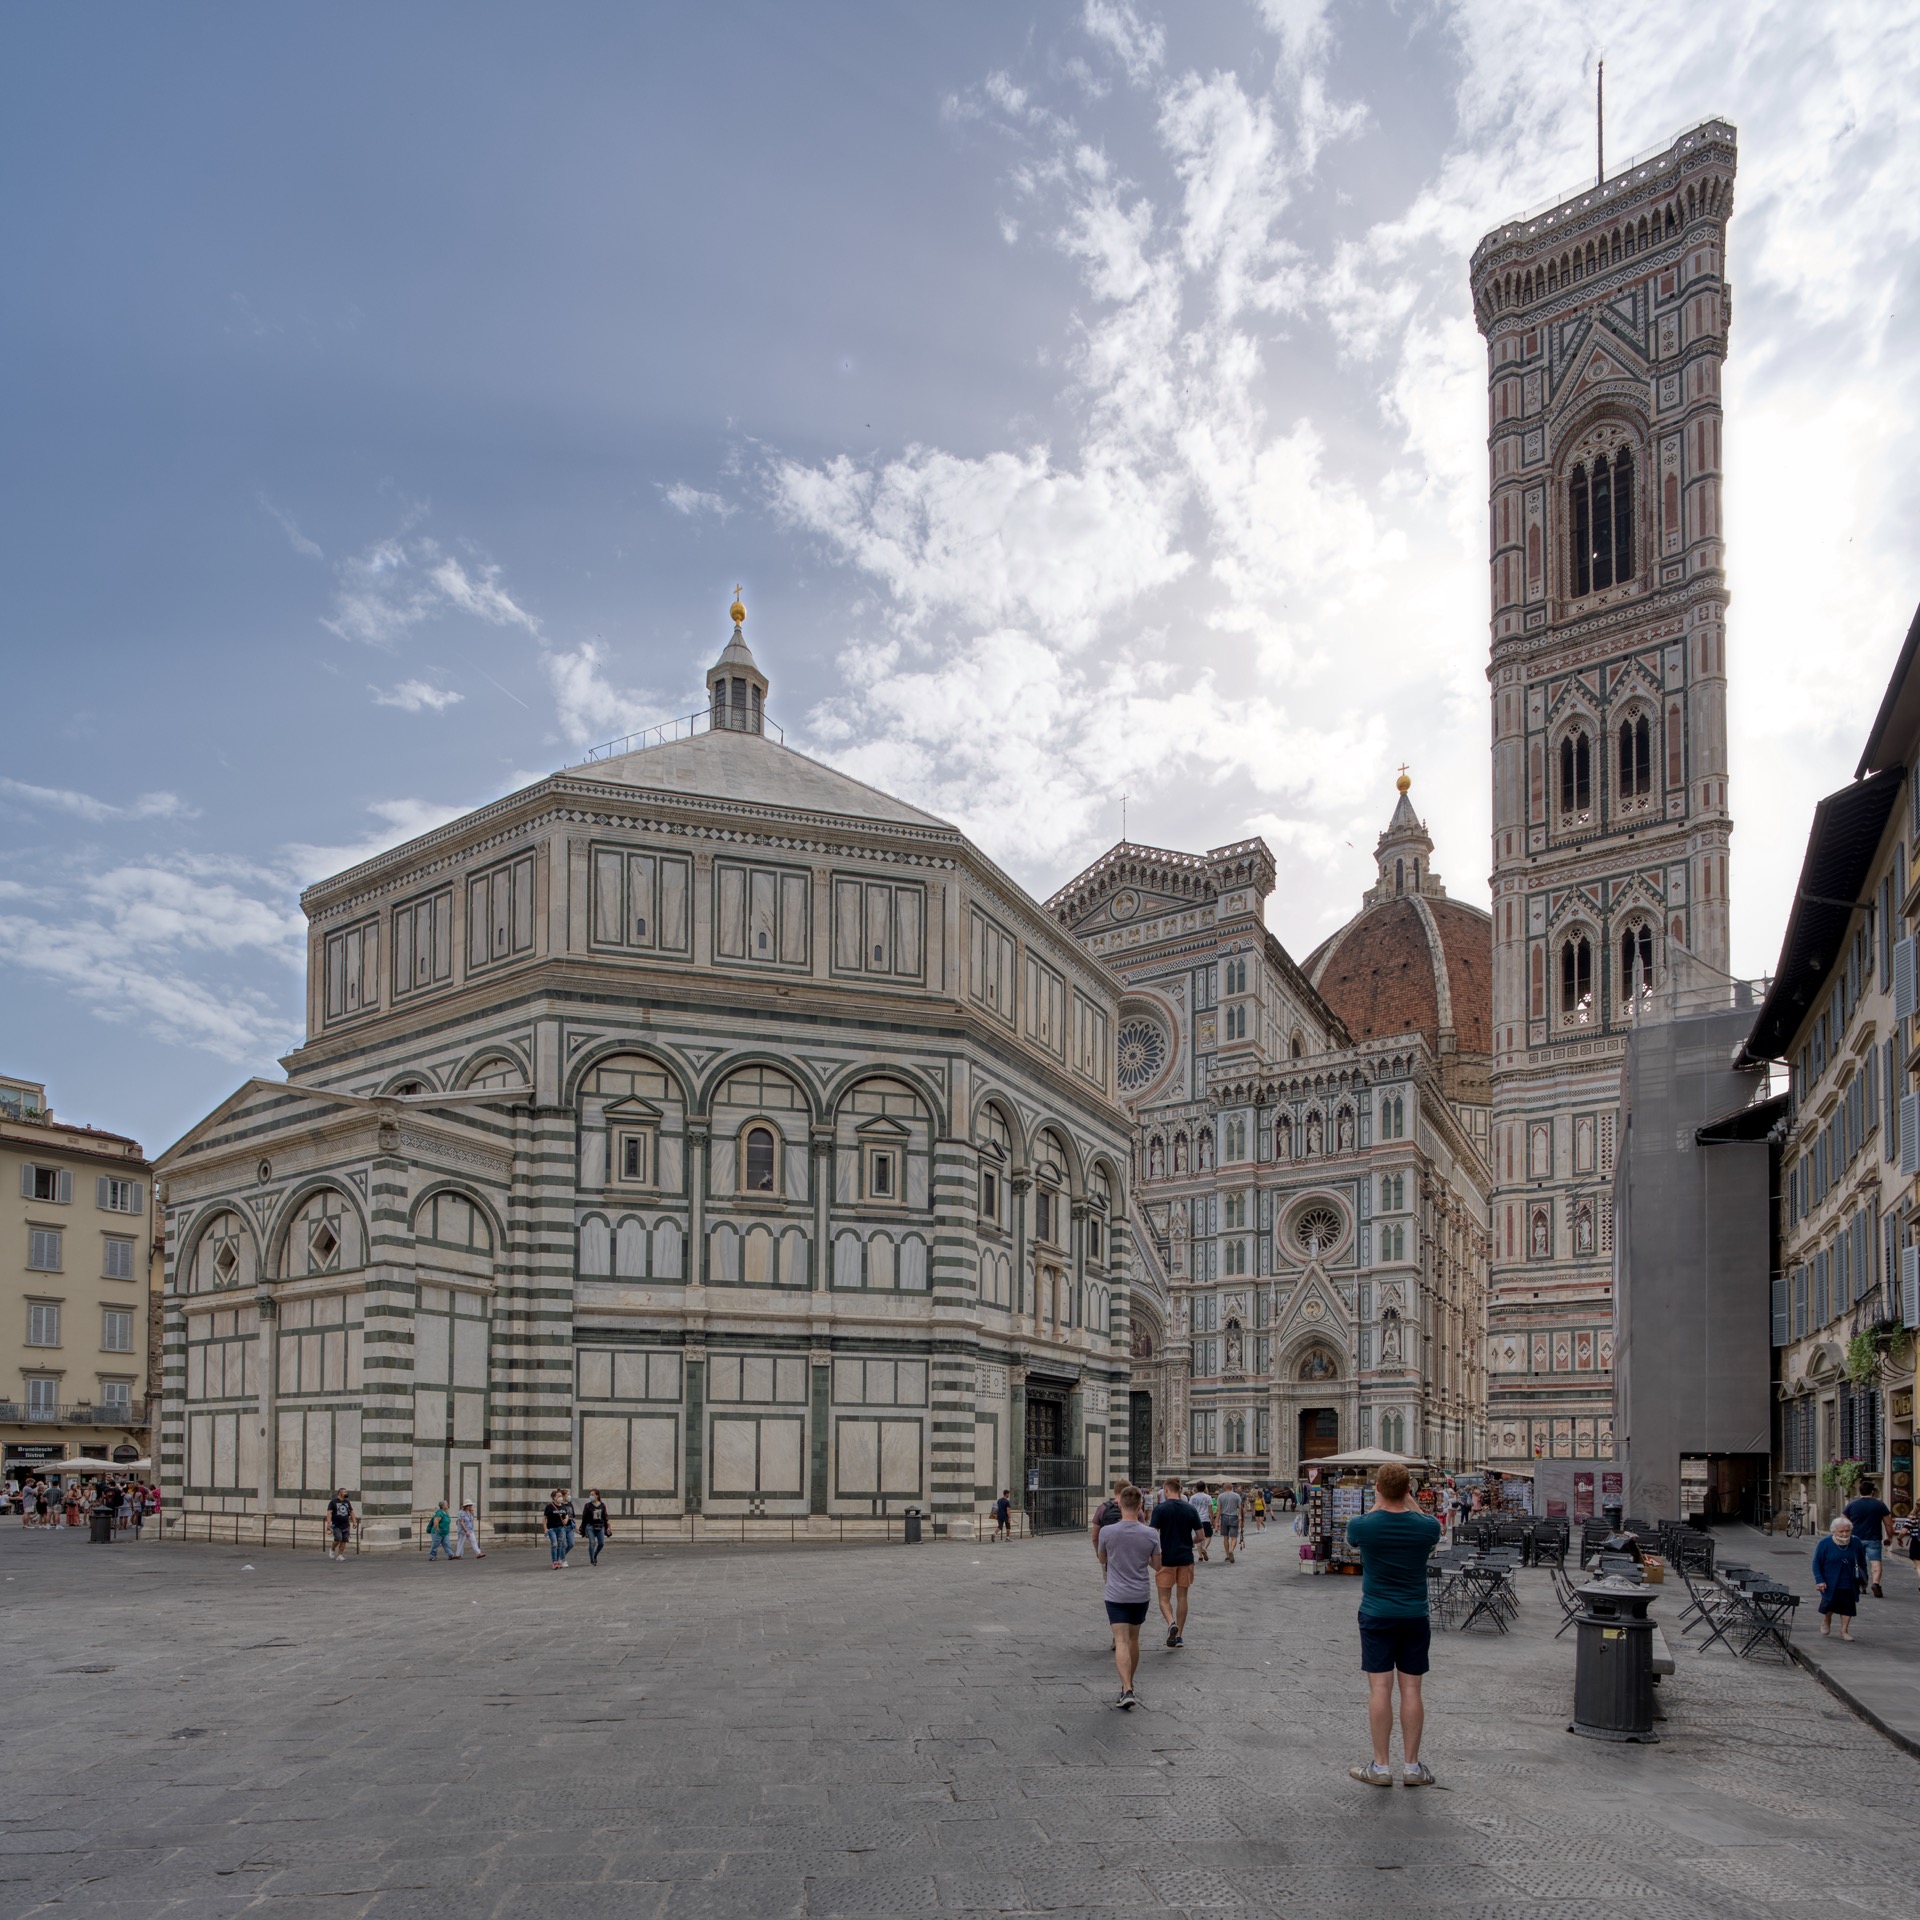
[698,1125]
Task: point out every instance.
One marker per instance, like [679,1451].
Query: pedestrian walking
[1129,1555]
[1396,1635]
[1259,1510]
[466,1531]
[339,1524]
[559,1522]
[1108,1511]
[439,1526]
[1202,1504]
[1839,1571]
[1003,1515]
[1177,1522]
[594,1523]
[1228,1507]
[139,1515]
[1870,1515]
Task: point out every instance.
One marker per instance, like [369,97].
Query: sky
[1085,396]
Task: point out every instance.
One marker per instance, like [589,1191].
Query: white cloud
[297,540]
[84,806]
[481,594]
[416,696]
[591,708]
[1139,45]
[692,501]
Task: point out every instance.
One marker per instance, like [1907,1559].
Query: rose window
[1317,1229]
[1141,1052]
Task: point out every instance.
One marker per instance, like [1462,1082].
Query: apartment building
[76,1295]
[1841,1012]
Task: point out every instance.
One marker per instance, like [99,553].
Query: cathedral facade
[1606,322]
[698,1125]
[1309,1155]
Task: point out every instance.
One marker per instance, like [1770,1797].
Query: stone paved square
[869,1730]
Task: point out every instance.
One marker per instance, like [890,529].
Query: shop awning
[1364,1457]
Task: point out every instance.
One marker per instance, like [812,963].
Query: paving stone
[871,1731]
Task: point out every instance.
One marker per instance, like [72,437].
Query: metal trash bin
[100,1528]
[1613,1667]
[910,1527]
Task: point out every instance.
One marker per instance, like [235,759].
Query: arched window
[1600,511]
[1636,963]
[1576,978]
[759,1159]
[1576,773]
[1636,757]
[1294,1048]
[1399,876]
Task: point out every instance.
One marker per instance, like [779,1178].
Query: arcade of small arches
[1629,737]
[1577,1001]
[1619,243]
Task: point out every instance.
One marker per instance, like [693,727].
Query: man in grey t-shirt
[1130,1556]
[1228,1507]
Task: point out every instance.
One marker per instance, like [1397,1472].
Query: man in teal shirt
[1395,1539]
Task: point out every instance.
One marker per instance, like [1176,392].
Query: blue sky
[1086,396]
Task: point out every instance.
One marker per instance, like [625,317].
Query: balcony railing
[74,1413]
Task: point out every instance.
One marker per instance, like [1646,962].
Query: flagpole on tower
[1600,124]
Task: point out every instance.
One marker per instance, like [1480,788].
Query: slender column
[820,1270]
[268,1364]
[386,1390]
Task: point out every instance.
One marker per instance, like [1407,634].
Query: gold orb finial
[736,613]
[1405,780]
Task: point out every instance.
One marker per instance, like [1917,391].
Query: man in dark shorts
[1394,1539]
[1870,1514]
[1228,1507]
[1003,1515]
[1130,1555]
[339,1524]
[1177,1523]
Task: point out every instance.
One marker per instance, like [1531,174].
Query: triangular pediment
[882,1128]
[629,1108]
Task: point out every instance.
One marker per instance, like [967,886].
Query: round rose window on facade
[1141,1054]
[1316,1229]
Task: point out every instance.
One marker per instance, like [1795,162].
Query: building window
[352,969]
[1096,1238]
[43,1323]
[118,1259]
[116,1398]
[116,1330]
[500,913]
[631,1158]
[1636,757]
[1576,775]
[759,1160]
[52,1185]
[1576,979]
[1046,1214]
[1600,498]
[43,1250]
[423,943]
[1636,963]
[883,1174]
[121,1196]
[43,1397]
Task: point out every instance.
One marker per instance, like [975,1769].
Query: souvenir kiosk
[1342,1490]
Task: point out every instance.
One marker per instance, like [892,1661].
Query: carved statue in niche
[1233,1347]
[1540,1233]
[1156,1158]
[1179,1153]
[1344,1131]
[1318,1365]
[1283,1138]
[1583,1227]
[1313,1134]
[1389,1338]
[1206,1149]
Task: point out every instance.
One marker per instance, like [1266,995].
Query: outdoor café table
[1770,1610]
[1487,1587]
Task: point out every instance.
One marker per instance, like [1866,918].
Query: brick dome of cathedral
[1411,960]
[1411,964]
